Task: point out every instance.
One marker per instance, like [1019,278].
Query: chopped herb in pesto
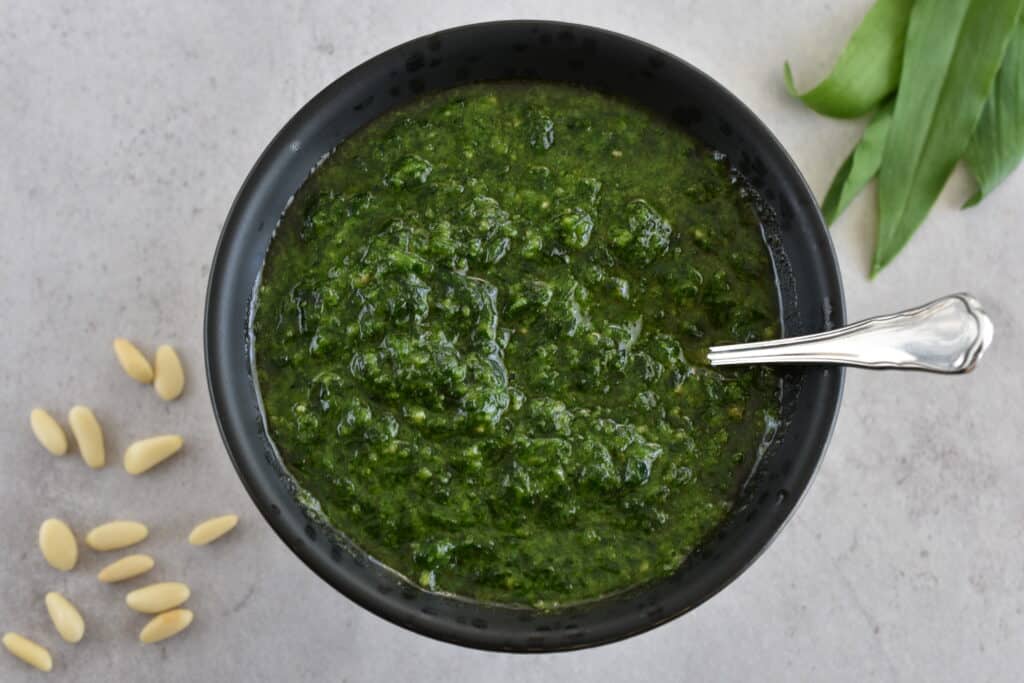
[480,339]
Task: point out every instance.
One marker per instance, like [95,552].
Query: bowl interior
[810,299]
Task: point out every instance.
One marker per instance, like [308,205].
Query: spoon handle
[948,335]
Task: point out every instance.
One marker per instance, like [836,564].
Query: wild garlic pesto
[480,340]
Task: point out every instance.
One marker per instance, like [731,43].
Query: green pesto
[480,340]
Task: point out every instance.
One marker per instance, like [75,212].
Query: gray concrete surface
[125,130]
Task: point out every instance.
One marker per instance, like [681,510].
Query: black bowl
[811,300]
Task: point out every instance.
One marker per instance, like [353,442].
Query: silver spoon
[948,335]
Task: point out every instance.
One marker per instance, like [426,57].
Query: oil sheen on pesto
[480,339]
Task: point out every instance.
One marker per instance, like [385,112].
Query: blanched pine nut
[158,597]
[166,625]
[212,529]
[148,453]
[133,361]
[49,433]
[66,618]
[89,436]
[169,376]
[115,535]
[126,568]
[58,544]
[28,651]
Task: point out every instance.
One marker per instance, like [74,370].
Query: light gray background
[125,130]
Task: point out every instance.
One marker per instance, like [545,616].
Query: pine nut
[66,617]
[89,436]
[58,544]
[28,651]
[133,361]
[166,625]
[148,453]
[158,597]
[126,568]
[212,529]
[169,377]
[115,535]
[49,433]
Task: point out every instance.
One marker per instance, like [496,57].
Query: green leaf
[953,51]
[998,143]
[860,167]
[868,70]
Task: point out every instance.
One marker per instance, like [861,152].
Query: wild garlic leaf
[998,143]
[953,51]
[868,70]
[860,167]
